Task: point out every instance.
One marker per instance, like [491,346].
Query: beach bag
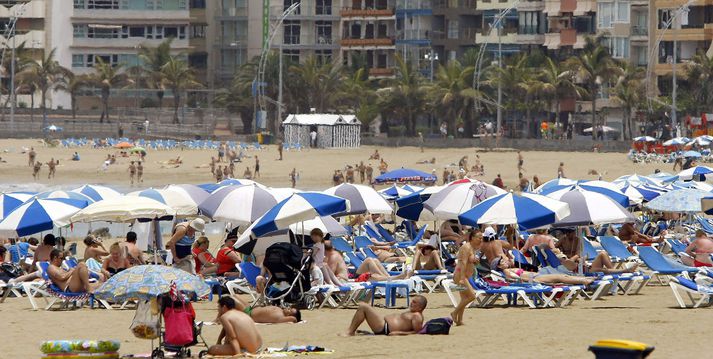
[179,326]
[438,326]
[145,324]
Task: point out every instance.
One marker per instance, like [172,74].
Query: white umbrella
[184,205]
[124,209]
[238,205]
[96,192]
[361,198]
[455,199]
[327,224]
[588,207]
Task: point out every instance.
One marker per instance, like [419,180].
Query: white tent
[333,130]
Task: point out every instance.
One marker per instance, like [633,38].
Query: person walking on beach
[560,171]
[231,170]
[212,164]
[140,172]
[221,152]
[409,322]
[226,172]
[293,177]
[465,269]
[132,172]
[420,140]
[279,149]
[36,170]
[52,165]
[362,171]
[31,157]
[218,174]
[520,162]
[257,168]
[369,173]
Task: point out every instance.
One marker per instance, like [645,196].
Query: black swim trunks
[384,331]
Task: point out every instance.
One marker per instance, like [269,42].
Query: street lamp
[431,56]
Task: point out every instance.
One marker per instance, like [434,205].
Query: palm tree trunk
[160,94]
[73,100]
[594,113]
[105,105]
[32,107]
[44,108]
[176,103]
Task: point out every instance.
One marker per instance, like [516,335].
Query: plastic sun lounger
[384,233]
[534,296]
[680,285]
[247,284]
[599,287]
[660,265]
[416,239]
[341,245]
[616,249]
[55,294]
[362,242]
[372,233]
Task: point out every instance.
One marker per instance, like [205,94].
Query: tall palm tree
[23,57]
[700,76]
[320,83]
[152,61]
[405,96]
[452,92]
[629,93]
[177,76]
[558,81]
[594,67]
[73,84]
[513,78]
[358,95]
[45,76]
[106,77]
[237,98]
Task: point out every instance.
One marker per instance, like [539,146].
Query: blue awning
[506,48]
[511,15]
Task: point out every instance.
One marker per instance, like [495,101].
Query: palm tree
[557,82]
[359,96]
[106,77]
[177,76]
[629,93]
[152,61]
[23,57]
[320,83]
[405,95]
[700,76]
[452,92]
[513,78]
[594,67]
[237,98]
[44,76]
[73,84]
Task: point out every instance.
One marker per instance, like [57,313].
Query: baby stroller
[289,269]
[181,331]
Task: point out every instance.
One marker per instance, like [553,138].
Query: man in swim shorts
[239,331]
[409,322]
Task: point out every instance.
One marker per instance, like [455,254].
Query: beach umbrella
[605,129]
[587,208]
[644,139]
[660,177]
[327,224]
[361,198]
[39,215]
[697,173]
[146,282]
[97,193]
[64,194]
[197,194]
[636,179]
[703,186]
[395,191]
[557,182]
[138,149]
[453,200]
[182,203]
[124,145]
[527,210]
[403,175]
[10,201]
[692,154]
[700,141]
[296,208]
[411,206]
[52,128]
[238,205]
[646,193]
[677,141]
[212,187]
[124,209]
[608,189]
[685,200]
[281,193]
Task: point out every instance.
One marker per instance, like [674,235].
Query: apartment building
[368,35]
[569,22]
[498,36]
[413,32]
[311,30]
[228,29]
[454,27]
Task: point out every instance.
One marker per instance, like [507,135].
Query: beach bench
[662,267]
[681,285]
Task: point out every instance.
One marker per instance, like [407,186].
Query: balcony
[695,34]
[33,10]
[231,12]
[368,43]
[128,43]
[531,5]
[378,72]
[127,16]
[307,42]
[350,12]
[508,37]
[455,4]
[34,39]
[672,4]
[307,12]
[639,33]
[494,4]
[528,34]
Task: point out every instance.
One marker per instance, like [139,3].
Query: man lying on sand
[409,322]
[239,330]
[270,314]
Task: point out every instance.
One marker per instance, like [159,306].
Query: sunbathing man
[539,238]
[699,251]
[569,247]
[409,322]
[239,330]
[386,255]
[74,280]
[335,261]
[452,231]
[628,233]
[494,249]
[270,314]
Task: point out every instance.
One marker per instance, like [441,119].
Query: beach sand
[651,317]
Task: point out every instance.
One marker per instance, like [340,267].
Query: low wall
[579,145]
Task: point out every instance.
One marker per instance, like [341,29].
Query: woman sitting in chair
[205,262]
[227,258]
[116,262]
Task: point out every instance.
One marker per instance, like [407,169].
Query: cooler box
[620,349]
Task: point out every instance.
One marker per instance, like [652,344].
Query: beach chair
[372,232]
[617,250]
[601,286]
[682,285]
[53,294]
[361,242]
[662,267]
[415,239]
[340,244]
[384,233]
[705,224]
[590,253]
[248,281]
[676,246]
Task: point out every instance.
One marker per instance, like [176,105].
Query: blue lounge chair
[682,284]
[706,225]
[247,283]
[372,233]
[617,250]
[661,265]
[340,244]
[362,242]
[385,234]
[55,294]
[590,253]
[415,240]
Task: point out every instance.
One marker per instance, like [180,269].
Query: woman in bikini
[517,274]
[116,262]
[465,269]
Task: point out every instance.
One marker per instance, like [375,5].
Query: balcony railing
[454,4]
[356,12]
[367,42]
[639,31]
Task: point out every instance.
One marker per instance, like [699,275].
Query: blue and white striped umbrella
[703,186]
[608,189]
[647,193]
[65,195]
[587,207]
[197,194]
[362,199]
[700,141]
[301,206]
[558,182]
[39,215]
[644,139]
[527,210]
[182,203]
[97,193]
[396,191]
[411,206]
[677,141]
[238,205]
[697,173]
[212,187]
[12,200]
[636,180]
[455,199]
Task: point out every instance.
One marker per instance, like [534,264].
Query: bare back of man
[336,263]
[492,249]
[241,335]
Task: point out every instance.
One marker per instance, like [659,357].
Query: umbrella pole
[155,242]
[581,250]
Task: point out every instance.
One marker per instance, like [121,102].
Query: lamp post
[431,56]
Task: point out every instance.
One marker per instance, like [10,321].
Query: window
[453,28]
[137,31]
[452,54]
[170,31]
[197,4]
[324,32]
[289,3]
[292,32]
[292,56]
[324,7]
[528,24]
[323,56]
[605,12]
[80,30]
[198,31]
[198,60]
[622,11]
[78,61]
[618,47]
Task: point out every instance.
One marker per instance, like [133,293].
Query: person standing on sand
[560,171]
[420,140]
[369,173]
[520,162]
[132,172]
[218,174]
[257,167]
[279,149]
[31,157]
[36,170]
[226,172]
[212,164]
[362,171]
[221,152]
[350,174]
[466,261]
[52,164]
[140,172]
[231,170]
[293,177]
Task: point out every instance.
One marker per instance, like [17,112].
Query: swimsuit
[384,331]
[248,311]
[113,270]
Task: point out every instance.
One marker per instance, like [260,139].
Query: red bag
[179,326]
